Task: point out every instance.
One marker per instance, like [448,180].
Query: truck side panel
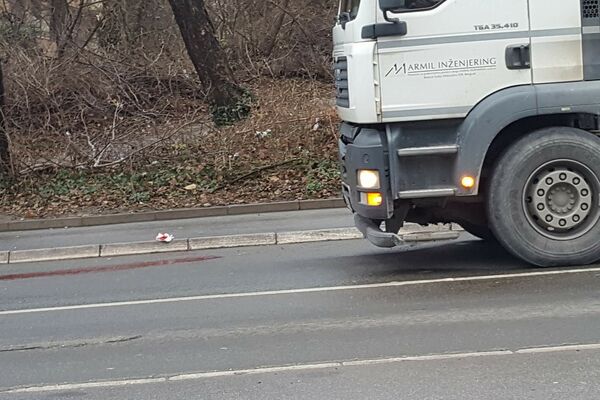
[551,36]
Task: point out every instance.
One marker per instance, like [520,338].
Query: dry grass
[286,150]
[111,117]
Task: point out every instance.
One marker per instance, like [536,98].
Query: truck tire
[483,232]
[543,201]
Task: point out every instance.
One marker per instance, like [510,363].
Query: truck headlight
[368,179]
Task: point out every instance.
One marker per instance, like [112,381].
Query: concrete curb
[96,220]
[220,242]
[59,253]
[130,249]
[413,233]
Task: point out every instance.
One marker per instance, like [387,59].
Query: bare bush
[98,87]
[86,106]
[277,37]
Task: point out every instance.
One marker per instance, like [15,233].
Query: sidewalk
[278,228]
[184,228]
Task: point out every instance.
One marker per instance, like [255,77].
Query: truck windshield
[349,9]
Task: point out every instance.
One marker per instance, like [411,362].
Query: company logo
[452,66]
[397,69]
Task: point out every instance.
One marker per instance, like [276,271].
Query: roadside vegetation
[109,107]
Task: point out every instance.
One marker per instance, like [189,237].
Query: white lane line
[254,371]
[300,291]
[433,357]
[87,385]
[575,347]
[299,368]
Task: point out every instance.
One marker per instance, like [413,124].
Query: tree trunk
[109,34]
[271,39]
[229,101]
[59,15]
[4,149]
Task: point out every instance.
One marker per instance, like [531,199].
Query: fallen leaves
[296,160]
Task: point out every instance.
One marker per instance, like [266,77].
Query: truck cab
[483,113]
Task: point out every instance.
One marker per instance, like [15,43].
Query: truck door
[456,53]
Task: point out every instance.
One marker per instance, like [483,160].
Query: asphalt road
[338,320]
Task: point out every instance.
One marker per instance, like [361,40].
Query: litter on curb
[165,237]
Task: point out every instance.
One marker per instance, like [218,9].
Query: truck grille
[590,9]
[341,82]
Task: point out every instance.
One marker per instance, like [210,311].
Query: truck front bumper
[372,232]
[366,148]
[363,149]
[379,238]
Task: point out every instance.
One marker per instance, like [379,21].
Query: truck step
[428,151]
[427,193]
[428,236]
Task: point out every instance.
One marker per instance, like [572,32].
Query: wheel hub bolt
[562,222]
[576,218]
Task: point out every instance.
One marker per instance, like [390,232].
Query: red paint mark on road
[107,268]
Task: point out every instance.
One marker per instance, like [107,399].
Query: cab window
[419,5]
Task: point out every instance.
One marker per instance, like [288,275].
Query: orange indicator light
[374,199]
[468,182]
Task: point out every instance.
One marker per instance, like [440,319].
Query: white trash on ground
[165,237]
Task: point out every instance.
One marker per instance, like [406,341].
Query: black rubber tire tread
[506,215]
[483,232]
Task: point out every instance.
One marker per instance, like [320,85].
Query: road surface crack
[69,344]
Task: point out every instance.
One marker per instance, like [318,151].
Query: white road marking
[300,291]
[87,385]
[254,371]
[299,367]
[554,349]
[434,357]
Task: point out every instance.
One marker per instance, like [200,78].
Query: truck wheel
[483,232]
[544,198]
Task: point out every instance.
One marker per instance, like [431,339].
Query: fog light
[468,182]
[371,199]
[368,179]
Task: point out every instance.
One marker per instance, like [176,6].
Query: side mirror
[391,5]
[396,28]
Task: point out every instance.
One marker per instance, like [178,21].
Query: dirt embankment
[286,150]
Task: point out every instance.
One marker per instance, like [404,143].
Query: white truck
[479,112]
